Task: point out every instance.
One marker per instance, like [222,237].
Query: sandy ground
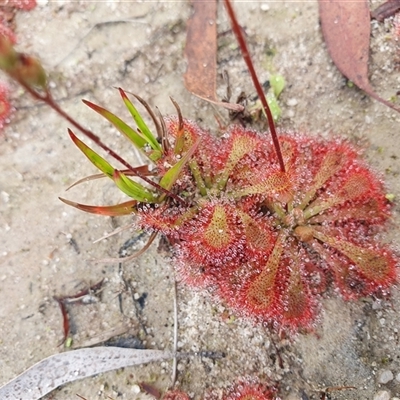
[91,47]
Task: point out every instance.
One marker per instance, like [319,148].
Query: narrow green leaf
[132,188]
[95,159]
[144,129]
[135,137]
[117,210]
[172,174]
[273,105]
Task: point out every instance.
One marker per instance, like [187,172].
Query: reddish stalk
[246,55]
[48,99]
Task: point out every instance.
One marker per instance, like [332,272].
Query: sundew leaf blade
[375,264]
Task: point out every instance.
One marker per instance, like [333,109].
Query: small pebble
[135,389]
[385,376]
[290,113]
[292,102]
[382,395]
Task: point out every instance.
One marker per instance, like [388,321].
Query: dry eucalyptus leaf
[201,54]
[346,29]
[70,366]
[386,10]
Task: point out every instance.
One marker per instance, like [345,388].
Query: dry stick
[246,56]
[48,99]
[174,360]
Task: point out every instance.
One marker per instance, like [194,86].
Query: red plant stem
[48,99]
[246,56]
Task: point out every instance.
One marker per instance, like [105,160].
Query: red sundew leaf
[298,304]
[358,186]
[213,239]
[275,183]
[351,283]
[259,237]
[201,53]
[249,389]
[25,5]
[241,145]
[331,164]
[296,300]
[126,208]
[376,265]
[175,395]
[375,210]
[260,292]
[346,29]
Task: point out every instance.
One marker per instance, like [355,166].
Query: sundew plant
[266,221]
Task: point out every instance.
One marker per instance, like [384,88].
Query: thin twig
[175,349]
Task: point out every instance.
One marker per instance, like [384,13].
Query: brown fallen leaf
[386,10]
[346,29]
[201,54]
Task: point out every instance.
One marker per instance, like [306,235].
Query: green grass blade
[135,137]
[132,188]
[172,174]
[144,129]
[94,158]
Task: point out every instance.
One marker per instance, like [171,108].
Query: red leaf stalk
[246,55]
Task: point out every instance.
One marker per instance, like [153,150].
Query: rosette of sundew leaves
[265,241]
[266,223]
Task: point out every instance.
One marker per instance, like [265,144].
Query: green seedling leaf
[277,83]
[117,210]
[95,159]
[172,174]
[273,105]
[144,129]
[136,138]
[132,188]
[390,197]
